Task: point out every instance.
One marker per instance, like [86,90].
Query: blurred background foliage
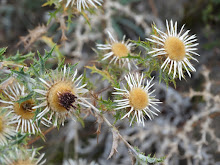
[17,16]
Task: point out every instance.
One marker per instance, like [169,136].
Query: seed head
[67,99]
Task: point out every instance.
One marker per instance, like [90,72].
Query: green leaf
[52,14]
[108,104]
[35,71]
[148,159]
[38,67]
[2,51]
[61,64]
[22,74]
[132,57]
[25,78]
[53,46]
[19,139]
[19,58]
[80,119]
[143,44]
[117,116]
[41,63]
[15,59]
[104,73]
[72,66]
[49,54]
[28,97]
[85,80]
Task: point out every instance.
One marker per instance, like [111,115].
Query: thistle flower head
[23,112]
[61,95]
[177,48]
[116,50]
[137,99]
[21,156]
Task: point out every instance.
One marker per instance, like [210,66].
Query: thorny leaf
[33,36]
[25,77]
[104,73]
[23,99]
[2,51]
[114,143]
[11,65]
[19,58]
[39,66]
[142,159]
[52,45]
[19,139]
[53,15]
[16,61]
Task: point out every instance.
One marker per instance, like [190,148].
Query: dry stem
[98,112]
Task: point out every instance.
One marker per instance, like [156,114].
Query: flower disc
[120,49]
[175,48]
[138,98]
[25,109]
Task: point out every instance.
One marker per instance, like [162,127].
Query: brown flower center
[120,49]
[61,96]
[175,48]
[138,98]
[67,99]
[25,109]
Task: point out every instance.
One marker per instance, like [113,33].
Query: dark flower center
[66,100]
[25,109]
[27,106]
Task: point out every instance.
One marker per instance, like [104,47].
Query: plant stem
[97,111]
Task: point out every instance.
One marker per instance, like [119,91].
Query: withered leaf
[99,120]
[114,143]
[33,36]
